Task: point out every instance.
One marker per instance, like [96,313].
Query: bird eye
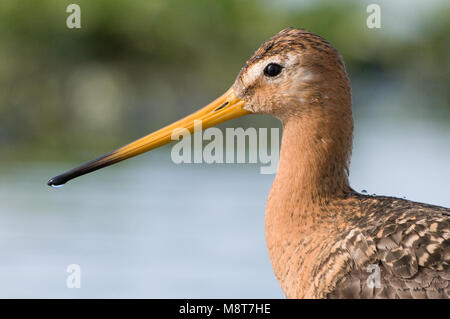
[272,69]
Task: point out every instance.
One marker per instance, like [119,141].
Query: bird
[324,239]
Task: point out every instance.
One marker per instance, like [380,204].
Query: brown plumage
[322,236]
[324,239]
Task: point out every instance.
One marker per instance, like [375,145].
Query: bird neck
[315,156]
[304,209]
[312,178]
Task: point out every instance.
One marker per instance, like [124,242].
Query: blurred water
[147,228]
[150,228]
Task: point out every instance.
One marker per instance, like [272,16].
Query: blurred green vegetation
[136,65]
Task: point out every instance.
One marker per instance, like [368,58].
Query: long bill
[224,108]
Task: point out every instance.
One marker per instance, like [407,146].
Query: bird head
[294,74]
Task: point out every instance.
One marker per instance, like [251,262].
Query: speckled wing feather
[399,249]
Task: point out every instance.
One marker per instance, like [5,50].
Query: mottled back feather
[408,242]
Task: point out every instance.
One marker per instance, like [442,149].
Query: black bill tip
[102,161]
[56,181]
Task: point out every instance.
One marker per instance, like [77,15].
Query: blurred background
[148,227]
